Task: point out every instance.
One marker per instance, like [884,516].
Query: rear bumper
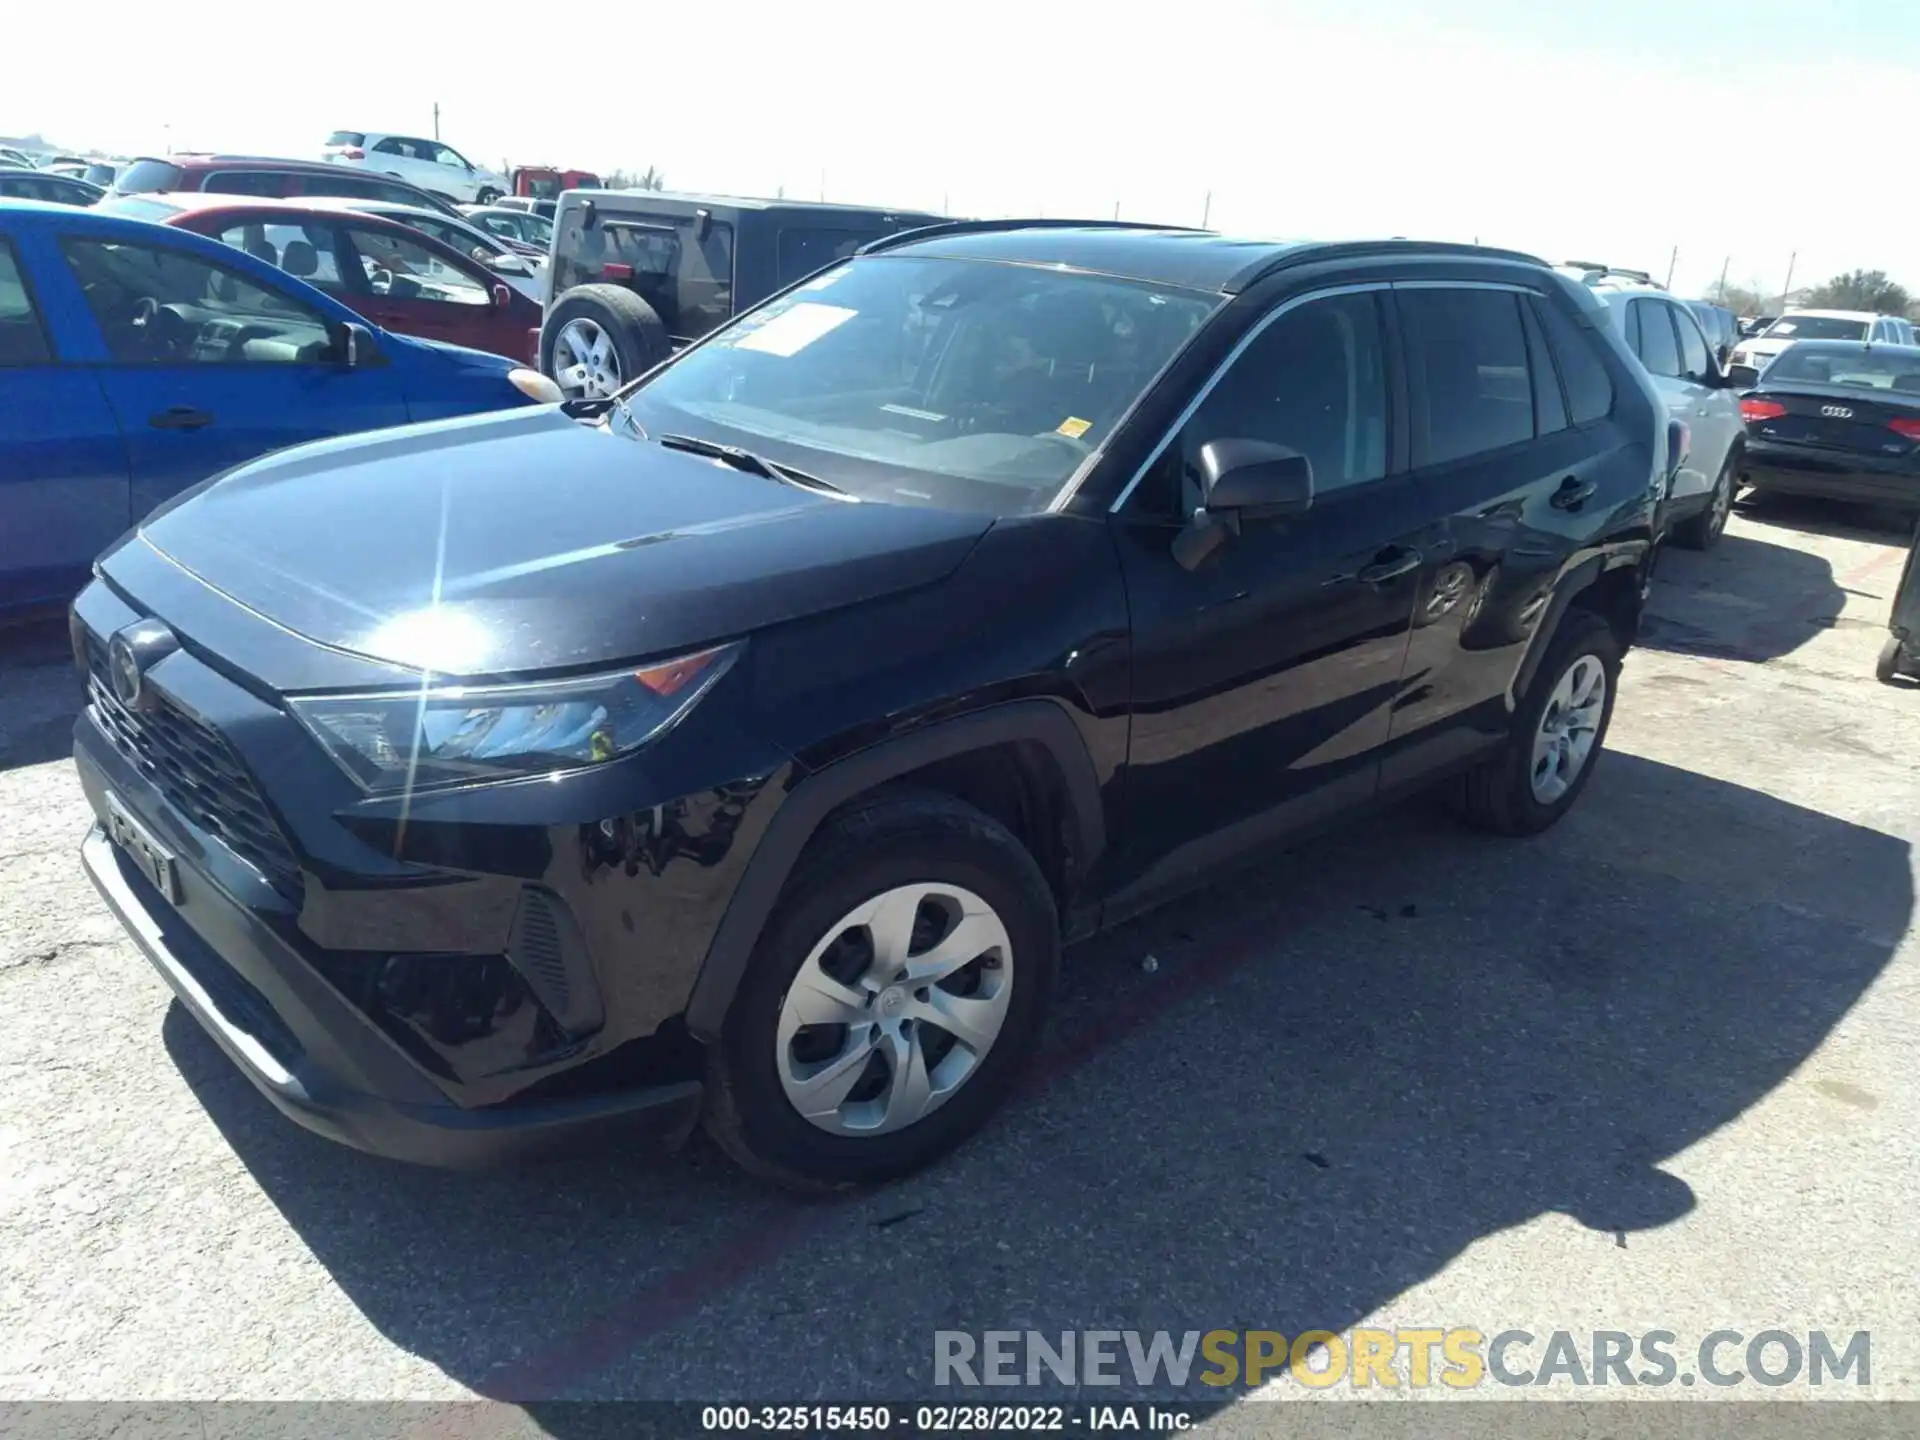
[1837,474]
[317,1059]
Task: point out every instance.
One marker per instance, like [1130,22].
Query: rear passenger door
[1503,476]
[63,464]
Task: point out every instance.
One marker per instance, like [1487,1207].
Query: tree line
[1868,290]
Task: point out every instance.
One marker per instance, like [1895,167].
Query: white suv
[1821,325]
[436,168]
[1664,333]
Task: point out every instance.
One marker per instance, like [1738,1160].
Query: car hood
[525,540]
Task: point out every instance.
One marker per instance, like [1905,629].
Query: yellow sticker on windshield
[1073,427]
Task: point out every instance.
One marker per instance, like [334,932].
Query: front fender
[813,798]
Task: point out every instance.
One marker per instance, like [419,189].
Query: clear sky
[1609,130]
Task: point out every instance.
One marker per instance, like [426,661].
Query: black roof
[685,200]
[1163,255]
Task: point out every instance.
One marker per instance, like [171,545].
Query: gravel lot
[1654,1070]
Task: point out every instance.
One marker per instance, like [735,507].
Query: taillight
[1755,407]
[1905,426]
[613,271]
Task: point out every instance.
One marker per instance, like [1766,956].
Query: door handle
[1396,563]
[181,417]
[1572,494]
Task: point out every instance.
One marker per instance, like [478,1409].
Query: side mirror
[1242,481]
[1254,479]
[1742,377]
[504,264]
[352,345]
[502,297]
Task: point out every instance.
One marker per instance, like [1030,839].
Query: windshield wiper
[749,462]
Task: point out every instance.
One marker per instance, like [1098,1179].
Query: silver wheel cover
[1568,728]
[894,1009]
[585,364]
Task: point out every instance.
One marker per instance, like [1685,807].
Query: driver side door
[207,367]
[416,286]
[1264,677]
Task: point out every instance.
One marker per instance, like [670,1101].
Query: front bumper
[316,1059]
[500,972]
[1834,474]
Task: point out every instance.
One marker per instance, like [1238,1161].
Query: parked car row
[137,360]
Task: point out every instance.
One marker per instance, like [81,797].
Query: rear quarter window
[145,175]
[1582,371]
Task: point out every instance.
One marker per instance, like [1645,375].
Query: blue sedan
[137,360]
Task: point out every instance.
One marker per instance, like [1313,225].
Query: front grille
[199,774]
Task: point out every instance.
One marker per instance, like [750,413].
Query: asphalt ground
[1653,1070]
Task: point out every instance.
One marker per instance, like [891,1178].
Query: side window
[394,145]
[304,250]
[1695,361]
[1469,350]
[448,156]
[404,269]
[23,339]
[1589,387]
[247,182]
[1549,407]
[156,305]
[1314,380]
[1632,327]
[498,224]
[1658,350]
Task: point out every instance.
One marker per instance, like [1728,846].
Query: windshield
[1878,368]
[936,382]
[1816,327]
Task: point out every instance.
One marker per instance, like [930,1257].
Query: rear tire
[910,849]
[1892,662]
[1504,794]
[486,196]
[1703,531]
[599,337]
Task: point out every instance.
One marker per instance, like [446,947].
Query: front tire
[1558,734]
[892,999]
[486,195]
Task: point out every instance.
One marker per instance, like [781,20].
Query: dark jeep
[638,274]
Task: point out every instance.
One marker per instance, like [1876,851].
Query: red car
[394,275]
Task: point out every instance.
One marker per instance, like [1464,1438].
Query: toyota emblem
[132,651]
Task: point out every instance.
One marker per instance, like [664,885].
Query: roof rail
[1310,253]
[978,227]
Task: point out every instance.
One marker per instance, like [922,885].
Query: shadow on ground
[39,693]
[1749,598]
[1343,1071]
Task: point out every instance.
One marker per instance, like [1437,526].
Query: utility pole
[823,182]
[1116,209]
[1787,289]
[436,119]
[1206,209]
[1672,260]
[1721,294]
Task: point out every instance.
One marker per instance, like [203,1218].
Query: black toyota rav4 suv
[745,746]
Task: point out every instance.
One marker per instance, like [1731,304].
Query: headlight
[535,386]
[438,735]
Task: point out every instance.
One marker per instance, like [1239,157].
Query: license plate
[152,858]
